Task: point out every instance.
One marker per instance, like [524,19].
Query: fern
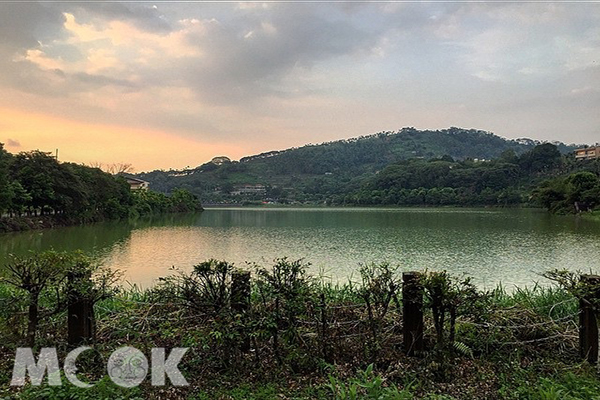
[463,349]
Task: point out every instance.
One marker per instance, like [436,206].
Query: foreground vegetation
[37,191]
[296,336]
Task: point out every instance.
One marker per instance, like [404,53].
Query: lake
[512,246]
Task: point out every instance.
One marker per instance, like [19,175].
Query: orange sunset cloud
[83,142]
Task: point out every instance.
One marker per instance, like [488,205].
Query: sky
[171,84]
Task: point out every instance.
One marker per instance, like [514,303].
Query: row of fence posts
[81,322]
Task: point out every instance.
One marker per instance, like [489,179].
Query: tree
[584,188]
[114,168]
[577,192]
[5,192]
[55,276]
[35,170]
[182,201]
[71,195]
[509,156]
[20,199]
[551,194]
[35,274]
[106,196]
[95,164]
[119,168]
[542,158]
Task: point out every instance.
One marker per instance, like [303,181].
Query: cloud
[14,144]
[512,43]
[84,142]
[24,25]
[226,61]
[238,62]
[144,16]
[297,72]
[244,60]
[39,42]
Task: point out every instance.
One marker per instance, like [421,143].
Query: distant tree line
[541,176]
[34,183]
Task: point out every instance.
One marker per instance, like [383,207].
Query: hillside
[311,172]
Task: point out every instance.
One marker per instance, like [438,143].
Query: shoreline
[44,222]
[39,222]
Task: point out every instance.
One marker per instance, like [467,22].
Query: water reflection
[512,246]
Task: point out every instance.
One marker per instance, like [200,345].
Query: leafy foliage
[367,385]
[45,279]
[35,183]
[576,192]
[286,293]
[205,289]
[449,299]
[380,287]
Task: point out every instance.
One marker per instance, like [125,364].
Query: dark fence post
[240,300]
[80,309]
[412,312]
[588,326]
[325,348]
[240,291]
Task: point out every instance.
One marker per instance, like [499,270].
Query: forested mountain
[317,173]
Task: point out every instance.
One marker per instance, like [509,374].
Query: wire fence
[335,322]
[351,321]
[522,326]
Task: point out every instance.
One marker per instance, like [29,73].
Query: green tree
[35,171]
[106,196]
[5,192]
[34,275]
[576,192]
[583,187]
[542,158]
[182,200]
[551,194]
[509,156]
[20,199]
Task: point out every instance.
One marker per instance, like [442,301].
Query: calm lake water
[492,246]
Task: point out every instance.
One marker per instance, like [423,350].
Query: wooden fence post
[412,313]
[240,301]
[588,326]
[325,348]
[240,291]
[80,310]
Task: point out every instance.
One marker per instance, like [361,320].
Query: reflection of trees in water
[173,219]
[94,238]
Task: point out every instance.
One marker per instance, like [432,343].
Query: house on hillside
[136,184]
[587,153]
[220,160]
[249,189]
